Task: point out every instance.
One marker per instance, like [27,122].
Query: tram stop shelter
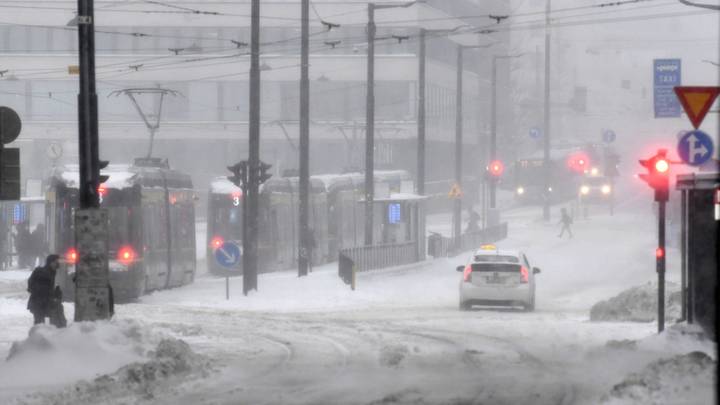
[700,217]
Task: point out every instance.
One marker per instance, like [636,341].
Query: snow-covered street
[399,338]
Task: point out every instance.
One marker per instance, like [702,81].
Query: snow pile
[638,304]
[53,357]
[172,360]
[681,379]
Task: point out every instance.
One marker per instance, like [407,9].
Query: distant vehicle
[595,189]
[567,166]
[151,238]
[337,217]
[496,277]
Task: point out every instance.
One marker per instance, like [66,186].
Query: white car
[497,278]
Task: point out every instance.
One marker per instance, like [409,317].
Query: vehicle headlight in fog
[594,171]
[584,190]
[520,191]
[606,189]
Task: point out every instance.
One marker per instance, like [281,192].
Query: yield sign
[696,101]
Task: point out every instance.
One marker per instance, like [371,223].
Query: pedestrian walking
[566,221]
[23,241]
[46,299]
[473,221]
[38,245]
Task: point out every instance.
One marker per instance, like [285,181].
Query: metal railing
[380,256]
[440,246]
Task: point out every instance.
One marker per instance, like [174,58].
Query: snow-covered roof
[221,185]
[120,176]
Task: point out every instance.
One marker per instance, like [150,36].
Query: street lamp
[370,115]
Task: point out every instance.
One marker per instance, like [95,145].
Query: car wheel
[530,307]
[464,306]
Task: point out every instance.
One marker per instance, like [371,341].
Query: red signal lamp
[126,255]
[659,253]
[71,256]
[216,242]
[658,174]
[496,168]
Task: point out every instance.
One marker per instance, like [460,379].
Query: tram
[151,233]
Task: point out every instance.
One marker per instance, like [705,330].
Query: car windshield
[496,259]
[495,268]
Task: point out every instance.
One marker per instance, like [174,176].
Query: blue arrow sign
[695,148]
[535,133]
[609,136]
[228,255]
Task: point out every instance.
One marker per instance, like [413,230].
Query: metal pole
[421,116]
[250,237]
[683,253]
[304,256]
[91,223]
[493,130]
[660,261]
[370,127]
[546,120]
[457,207]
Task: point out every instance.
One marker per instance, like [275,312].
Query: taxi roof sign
[488,247]
[696,101]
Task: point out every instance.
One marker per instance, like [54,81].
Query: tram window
[119,228]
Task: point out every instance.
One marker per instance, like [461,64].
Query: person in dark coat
[566,221]
[23,243]
[38,244]
[473,221]
[43,295]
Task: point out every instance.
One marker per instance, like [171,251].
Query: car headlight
[520,191]
[606,189]
[584,190]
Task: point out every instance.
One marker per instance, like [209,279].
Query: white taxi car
[497,278]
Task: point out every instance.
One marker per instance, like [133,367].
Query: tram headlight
[126,255]
[216,242]
[520,191]
[71,256]
[584,190]
[606,189]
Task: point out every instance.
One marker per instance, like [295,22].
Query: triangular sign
[696,101]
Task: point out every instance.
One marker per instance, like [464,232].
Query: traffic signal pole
[91,223]
[546,119]
[421,115]
[370,127]
[457,201]
[304,252]
[660,264]
[250,236]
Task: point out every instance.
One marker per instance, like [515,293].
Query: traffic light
[263,174]
[10,174]
[101,165]
[239,171]
[495,169]
[658,175]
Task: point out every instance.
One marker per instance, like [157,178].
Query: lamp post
[370,116]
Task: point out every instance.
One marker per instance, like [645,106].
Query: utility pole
[305,255]
[250,231]
[370,117]
[421,115]
[493,131]
[91,222]
[546,120]
[370,127]
[457,202]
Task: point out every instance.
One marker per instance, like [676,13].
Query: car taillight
[216,242]
[467,273]
[126,255]
[71,256]
[524,275]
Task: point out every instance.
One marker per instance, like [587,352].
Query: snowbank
[54,357]
[681,379]
[638,304]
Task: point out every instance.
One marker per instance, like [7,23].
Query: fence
[381,256]
[440,246]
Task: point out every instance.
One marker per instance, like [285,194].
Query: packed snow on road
[399,338]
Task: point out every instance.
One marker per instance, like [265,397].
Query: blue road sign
[609,136]
[667,73]
[228,255]
[535,133]
[695,148]
[19,214]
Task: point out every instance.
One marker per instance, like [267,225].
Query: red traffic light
[496,168]
[658,175]
[659,253]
